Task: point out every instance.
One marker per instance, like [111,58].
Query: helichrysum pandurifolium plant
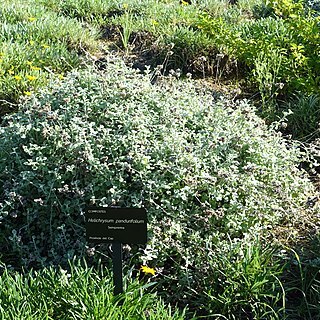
[209,172]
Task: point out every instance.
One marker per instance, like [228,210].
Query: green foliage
[277,51]
[282,47]
[208,172]
[303,118]
[166,21]
[78,292]
[246,276]
[303,286]
[287,8]
[35,45]
[189,50]
[127,23]
[214,179]
[94,11]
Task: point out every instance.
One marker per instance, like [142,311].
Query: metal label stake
[117,267]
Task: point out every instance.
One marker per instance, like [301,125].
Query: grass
[77,293]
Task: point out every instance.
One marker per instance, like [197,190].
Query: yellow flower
[27,93]
[147,270]
[1,60]
[29,63]
[32,19]
[125,6]
[31,78]
[60,76]
[10,71]
[17,77]
[154,22]
[45,46]
[185,3]
[31,42]
[35,68]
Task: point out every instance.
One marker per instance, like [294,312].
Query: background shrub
[281,46]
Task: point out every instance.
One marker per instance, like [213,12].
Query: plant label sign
[116,225]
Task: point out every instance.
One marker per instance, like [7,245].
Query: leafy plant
[302,278]
[286,41]
[208,172]
[126,29]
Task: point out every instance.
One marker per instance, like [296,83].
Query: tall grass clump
[77,292]
[303,117]
[215,181]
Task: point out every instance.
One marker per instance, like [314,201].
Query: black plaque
[116,225]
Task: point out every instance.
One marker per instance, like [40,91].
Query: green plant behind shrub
[303,120]
[288,39]
[36,44]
